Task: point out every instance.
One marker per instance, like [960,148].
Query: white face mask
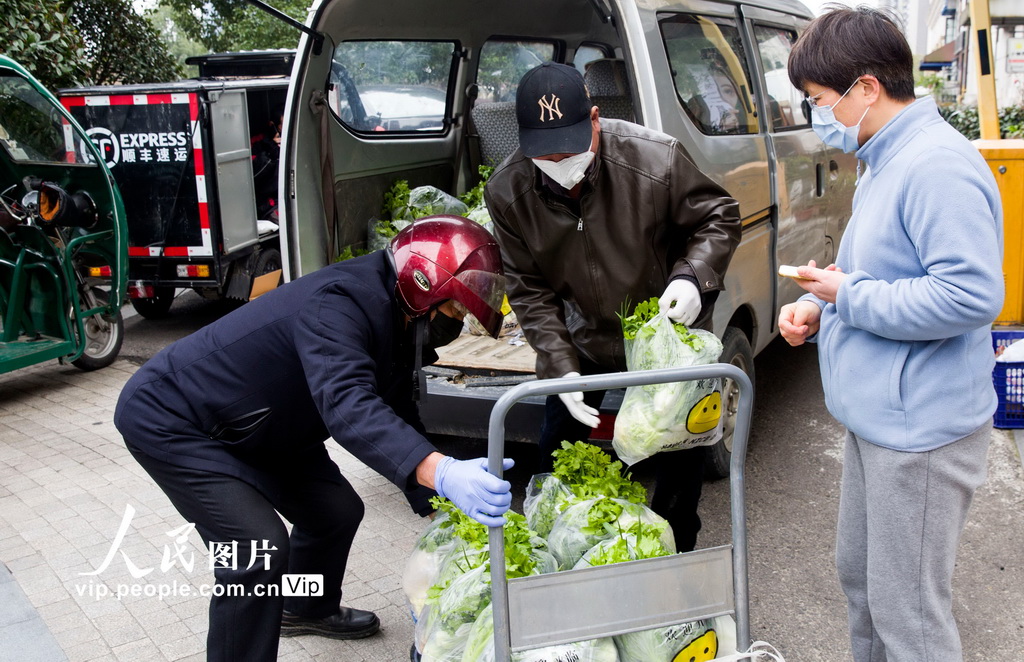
[568,172]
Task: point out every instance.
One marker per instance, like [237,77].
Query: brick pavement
[65,482]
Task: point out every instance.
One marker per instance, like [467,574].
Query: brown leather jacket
[647,215]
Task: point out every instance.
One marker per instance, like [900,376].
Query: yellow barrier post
[1006,158]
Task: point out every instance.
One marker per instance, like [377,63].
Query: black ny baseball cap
[553,111]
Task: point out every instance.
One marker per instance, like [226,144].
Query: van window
[504,62]
[391,85]
[587,53]
[786,106]
[709,67]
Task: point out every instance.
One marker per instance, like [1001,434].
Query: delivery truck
[196,161]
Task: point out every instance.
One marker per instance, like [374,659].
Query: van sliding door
[806,173]
[707,96]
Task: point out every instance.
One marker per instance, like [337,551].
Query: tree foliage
[85,42]
[235,25]
[39,37]
[120,45]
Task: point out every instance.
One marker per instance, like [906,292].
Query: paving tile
[88,651]
[184,647]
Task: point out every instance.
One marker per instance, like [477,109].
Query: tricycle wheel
[103,338]
[736,351]
[157,307]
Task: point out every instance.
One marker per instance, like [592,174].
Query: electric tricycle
[63,242]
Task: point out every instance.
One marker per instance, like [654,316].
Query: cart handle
[496,453]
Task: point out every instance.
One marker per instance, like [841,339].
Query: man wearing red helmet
[231,423]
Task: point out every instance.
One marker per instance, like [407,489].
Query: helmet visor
[482,292]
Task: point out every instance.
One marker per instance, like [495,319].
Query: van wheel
[736,351]
[157,307]
[103,338]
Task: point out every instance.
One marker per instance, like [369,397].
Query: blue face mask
[833,132]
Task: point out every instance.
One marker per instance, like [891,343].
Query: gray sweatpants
[900,519]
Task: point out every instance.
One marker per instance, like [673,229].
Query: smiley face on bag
[704,415]
[701,649]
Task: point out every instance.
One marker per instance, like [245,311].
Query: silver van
[424,92]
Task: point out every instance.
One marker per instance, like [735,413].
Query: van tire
[157,307]
[735,351]
[103,338]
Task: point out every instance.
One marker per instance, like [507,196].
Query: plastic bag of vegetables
[424,564]
[584,524]
[546,497]
[695,640]
[440,631]
[431,201]
[581,471]
[639,541]
[480,647]
[462,587]
[666,417]
[481,215]
[449,616]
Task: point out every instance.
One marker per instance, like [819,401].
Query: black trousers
[679,475]
[324,512]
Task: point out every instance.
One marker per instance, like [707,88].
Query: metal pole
[496,450]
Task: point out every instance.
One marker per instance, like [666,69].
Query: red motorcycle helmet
[438,258]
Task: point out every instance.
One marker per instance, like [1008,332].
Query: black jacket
[258,392]
[647,215]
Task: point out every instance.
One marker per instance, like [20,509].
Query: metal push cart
[575,605]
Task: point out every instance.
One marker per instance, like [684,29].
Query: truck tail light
[193,271]
[99,272]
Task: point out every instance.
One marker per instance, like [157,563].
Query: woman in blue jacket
[902,322]
[231,423]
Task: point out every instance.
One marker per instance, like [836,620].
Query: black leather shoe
[348,623]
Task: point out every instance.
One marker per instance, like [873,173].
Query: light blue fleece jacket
[905,352]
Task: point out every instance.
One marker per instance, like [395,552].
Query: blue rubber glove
[477,492]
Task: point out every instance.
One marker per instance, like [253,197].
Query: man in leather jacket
[231,423]
[593,215]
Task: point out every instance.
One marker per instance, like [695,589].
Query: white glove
[681,301]
[580,410]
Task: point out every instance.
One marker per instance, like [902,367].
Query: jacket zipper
[579,227]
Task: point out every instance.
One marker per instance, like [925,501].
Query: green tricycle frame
[63,239]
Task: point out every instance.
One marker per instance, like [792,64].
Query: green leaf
[590,473]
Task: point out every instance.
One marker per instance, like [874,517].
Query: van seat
[498,130]
[609,88]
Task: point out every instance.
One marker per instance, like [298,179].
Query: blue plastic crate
[1008,378]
